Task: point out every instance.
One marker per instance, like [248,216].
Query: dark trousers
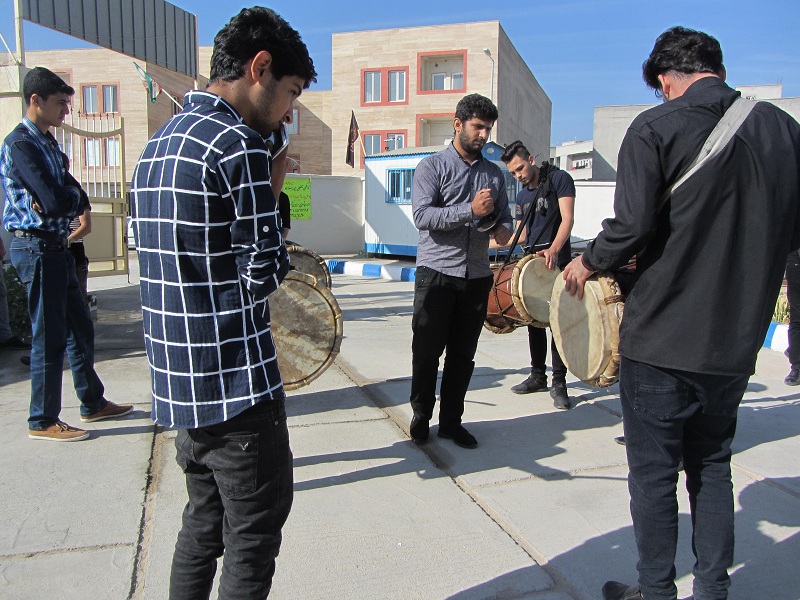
[60,322]
[78,252]
[793,293]
[448,315]
[669,415]
[239,480]
[537,341]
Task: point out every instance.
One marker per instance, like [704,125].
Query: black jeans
[668,415]
[239,480]
[448,314]
[793,294]
[537,341]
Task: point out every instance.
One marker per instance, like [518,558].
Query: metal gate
[95,145]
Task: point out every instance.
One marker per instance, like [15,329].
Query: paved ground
[539,511]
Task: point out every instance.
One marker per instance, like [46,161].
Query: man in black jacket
[710,264]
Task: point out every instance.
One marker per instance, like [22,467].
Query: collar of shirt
[202,97]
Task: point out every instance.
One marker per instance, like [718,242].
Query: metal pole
[18,31]
[488,53]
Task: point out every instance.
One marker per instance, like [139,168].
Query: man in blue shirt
[452,191]
[41,199]
[210,250]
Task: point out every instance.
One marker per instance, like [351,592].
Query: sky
[584,53]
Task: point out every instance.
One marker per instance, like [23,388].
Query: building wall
[576,158]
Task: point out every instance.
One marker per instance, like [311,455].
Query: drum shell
[520,289]
[309,262]
[503,310]
[586,332]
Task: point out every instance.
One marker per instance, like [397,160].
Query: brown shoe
[58,432]
[110,411]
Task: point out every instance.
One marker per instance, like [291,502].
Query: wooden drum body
[306,327]
[520,295]
[586,332]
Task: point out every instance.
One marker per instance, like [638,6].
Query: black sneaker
[459,435]
[15,343]
[534,383]
[793,378]
[560,397]
[419,429]
[614,590]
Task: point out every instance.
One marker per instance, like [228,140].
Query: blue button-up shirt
[33,169]
[442,191]
[207,231]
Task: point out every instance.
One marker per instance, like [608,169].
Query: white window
[92,152]
[110,99]
[90,99]
[372,86]
[397,86]
[395,141]
[458,81]
[372,143]
[438,81]
[112,152]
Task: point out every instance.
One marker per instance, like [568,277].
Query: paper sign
[299,192]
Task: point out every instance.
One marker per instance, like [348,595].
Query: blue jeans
[239,481]
[60,322]
[5,326]
[448,314]
[669,415]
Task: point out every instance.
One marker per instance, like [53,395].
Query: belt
[32,234]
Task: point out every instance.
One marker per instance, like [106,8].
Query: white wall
[594,201]
[337,215]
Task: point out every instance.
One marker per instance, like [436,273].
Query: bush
[781,314]
[18,315]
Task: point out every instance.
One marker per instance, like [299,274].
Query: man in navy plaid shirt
[210,252]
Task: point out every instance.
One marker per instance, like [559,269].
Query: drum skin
[306,327]
[586,332]
[309,262]
[520,295]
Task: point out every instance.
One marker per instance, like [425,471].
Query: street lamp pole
[488,53]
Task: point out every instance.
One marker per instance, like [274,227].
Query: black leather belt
[32,234]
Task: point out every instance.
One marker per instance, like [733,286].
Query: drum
[309,262]
[520,295]
[586,332]
[307,328]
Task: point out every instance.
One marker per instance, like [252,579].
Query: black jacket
[711,261]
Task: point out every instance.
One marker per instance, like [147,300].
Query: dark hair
[476,106]
[251,31]
[516,148]
[44,83]
[682,50]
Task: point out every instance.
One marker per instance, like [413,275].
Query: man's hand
[37,207]
[482,203]
[576,274]
[550,257]
[501,234]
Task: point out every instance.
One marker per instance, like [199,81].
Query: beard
[473,146]
[263,122]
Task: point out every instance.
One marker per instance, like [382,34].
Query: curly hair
[475,106]
[682,50]
[251,31]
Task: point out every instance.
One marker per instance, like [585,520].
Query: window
[291,128]
[110,100]
[458,81]
[438,81]
[372,143]
[89,104]
[441,72]
[395,141]
[397,86]
[376,142]
[112,152]
[398,186]
[91,154]
[372,86]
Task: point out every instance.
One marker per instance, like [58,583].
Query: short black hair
[682,50]
[476,106]
[44,83]
[515,148]
[251,31]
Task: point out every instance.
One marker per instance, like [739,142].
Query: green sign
[299,192]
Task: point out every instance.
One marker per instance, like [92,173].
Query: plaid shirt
[33,169]
[207,232]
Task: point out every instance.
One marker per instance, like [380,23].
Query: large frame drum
[309,262]
[586,332]
[306,327]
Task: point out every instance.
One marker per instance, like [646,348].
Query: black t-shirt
[561,186]
[284,209]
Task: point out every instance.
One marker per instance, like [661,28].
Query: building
[575,157]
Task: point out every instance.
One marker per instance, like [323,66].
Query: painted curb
[777,337]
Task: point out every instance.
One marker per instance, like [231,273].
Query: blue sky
[584,53]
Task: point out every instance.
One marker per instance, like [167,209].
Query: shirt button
[265,229]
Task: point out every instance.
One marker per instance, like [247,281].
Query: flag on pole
[153,89]
[351,140]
